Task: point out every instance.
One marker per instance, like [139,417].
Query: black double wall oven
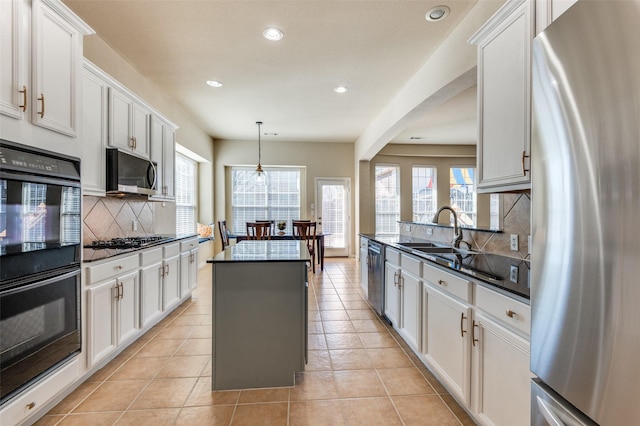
[40,227]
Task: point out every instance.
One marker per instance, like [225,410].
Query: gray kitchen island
[259,314]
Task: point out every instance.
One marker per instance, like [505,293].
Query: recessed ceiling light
[415,137]
[214,83]
[341,89]
[437,13]
[271,134]
[273,34]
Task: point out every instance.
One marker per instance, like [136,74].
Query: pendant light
[260,176]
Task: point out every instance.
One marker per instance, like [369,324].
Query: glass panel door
[333,216]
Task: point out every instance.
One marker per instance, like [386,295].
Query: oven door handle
[39,179]
[39,283]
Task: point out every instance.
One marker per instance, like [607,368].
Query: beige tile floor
[359,372]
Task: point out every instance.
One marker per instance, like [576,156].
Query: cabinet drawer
[457,286]
[505,309]
[151,256]
[188,245]
[411,265]
[171,249]
[392,255]
[112,268]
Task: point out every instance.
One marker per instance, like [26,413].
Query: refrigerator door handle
[548,413]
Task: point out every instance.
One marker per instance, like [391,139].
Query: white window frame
[186,204]
[466,217]
[419,190]
[387,201]
[272,205]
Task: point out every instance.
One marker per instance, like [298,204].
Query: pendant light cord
[259,123]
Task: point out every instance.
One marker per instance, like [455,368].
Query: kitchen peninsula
[259,314]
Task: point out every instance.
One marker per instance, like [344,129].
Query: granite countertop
[264,251]
[507,274]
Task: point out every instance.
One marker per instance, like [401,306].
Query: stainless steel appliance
[40,227]
[130,174]
[585,299]
[375,269]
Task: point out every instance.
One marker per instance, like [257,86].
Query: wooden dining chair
[306,230]
[224,233]
[258,231]
[271,222]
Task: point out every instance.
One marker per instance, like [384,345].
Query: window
[279,200]
[387,199]
[185,195]
[425,197]
[462,195]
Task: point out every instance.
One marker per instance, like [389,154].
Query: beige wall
[321,160]
[189,134]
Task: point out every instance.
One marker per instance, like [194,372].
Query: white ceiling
[373,47]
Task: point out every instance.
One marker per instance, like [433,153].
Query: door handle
[547,413]
[462,318]
[473,333]
[41,98]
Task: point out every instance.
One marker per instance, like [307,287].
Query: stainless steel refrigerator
[585,295]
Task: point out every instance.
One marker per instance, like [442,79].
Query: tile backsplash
[109,217]
[516,219]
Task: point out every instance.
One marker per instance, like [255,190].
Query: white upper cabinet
[163,152]
[128,123]
[40,79]
[504,98]
[94,130]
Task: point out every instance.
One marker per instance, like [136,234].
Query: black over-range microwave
[130,174]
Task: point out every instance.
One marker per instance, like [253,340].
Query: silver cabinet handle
[510,313]
[548,413]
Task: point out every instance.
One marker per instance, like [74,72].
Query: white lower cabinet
[151,286]
[446,346]
[113,314]
[364,265]
[171,276]
[188,266]
[474,339]
[501,374]
[392,293]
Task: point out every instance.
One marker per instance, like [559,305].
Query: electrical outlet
[407,228]
[514,242]
[513,274]
[134,225]
[429,231]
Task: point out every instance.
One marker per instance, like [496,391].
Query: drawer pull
[31,405]
[119,267]
[510,313]
[462,318]
[441,282]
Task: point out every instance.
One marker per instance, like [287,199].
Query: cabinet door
[364,272]
[502,378]
[101,334]
[127,308]
[119,113]
[171,282]
[193,269]
[150,293]
[168,163]
[94,132]
[446,340]
[504,94]
[140,129]
[55,68]
[392,294]
[411,293]
[184,273]
[13,54]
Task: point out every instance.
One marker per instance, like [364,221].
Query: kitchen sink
[416,245]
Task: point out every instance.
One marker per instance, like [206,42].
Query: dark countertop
[92,255]
[486,268]
[264,251]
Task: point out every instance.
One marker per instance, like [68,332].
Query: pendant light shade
[260,176]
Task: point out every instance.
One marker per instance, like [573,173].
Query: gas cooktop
[126,243]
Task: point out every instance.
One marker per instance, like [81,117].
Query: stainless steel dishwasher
[375,268]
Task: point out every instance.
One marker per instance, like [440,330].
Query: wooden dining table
[286,236]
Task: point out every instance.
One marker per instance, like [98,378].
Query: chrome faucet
[457,231]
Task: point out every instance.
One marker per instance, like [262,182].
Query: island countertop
[264,251]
